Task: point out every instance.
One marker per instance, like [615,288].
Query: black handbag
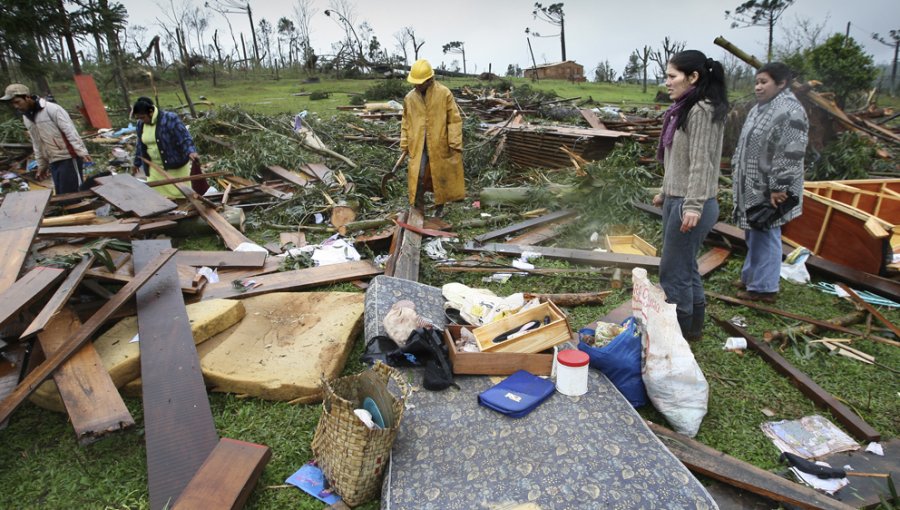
[762,216]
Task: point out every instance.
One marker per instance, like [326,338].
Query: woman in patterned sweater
[690,149]
[768,171]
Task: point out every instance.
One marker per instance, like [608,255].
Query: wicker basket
[352,456]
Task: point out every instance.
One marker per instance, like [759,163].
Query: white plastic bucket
[572,372]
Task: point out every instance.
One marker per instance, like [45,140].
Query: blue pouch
[620,362]
[517,395]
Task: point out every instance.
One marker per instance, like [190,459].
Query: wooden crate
[555,332]
[630,244]
[494,363]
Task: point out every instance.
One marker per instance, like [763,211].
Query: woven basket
[352,456]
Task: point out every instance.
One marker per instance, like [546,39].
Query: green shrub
[385,90]
[849,157]
[317,95]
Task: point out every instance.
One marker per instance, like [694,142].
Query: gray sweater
[692,162]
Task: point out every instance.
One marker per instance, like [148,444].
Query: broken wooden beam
[831,325]
[710,462]
[60,297]
[406,265]
[871,309]
[112,229]
[297,178]
[538,235]
[92,401]
[226,478]
[27,290]
[292,280]
[713,259]
[522,225]
[854,424]
[221,258]
[572,299]
[178,425]
[37,376]
[575,256]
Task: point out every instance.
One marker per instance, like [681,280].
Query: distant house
[568,70]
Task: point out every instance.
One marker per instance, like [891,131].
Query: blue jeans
[67,175]
[762,267]
[679,276]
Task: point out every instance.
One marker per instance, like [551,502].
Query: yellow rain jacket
[434,118]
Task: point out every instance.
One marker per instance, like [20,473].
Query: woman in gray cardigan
[690,149]
[768,173]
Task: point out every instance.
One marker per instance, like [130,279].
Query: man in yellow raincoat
[431,133]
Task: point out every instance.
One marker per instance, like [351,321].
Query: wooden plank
[92,401]
[226,478]
[20,218]
[298,239]
[295,178]
[592,118]
[522,225]
[178,423]
[712,259]
[60,297]
[542,233]
[322,172]
[587,257]
[710,462]
[37,376]
[295,280]
[854,424]
[131,195]
[114,229]
[871,309]
[407,263]
[94,111]
[222,258]
[858,279]
[26,291]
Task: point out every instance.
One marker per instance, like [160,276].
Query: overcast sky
[596,31]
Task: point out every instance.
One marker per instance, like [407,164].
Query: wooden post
[187,96]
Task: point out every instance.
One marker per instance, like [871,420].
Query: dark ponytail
[710,86]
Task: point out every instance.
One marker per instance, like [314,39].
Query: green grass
[43,467]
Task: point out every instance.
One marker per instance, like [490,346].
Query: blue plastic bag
[620,362]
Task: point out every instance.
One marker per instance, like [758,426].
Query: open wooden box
[631,244]
[494,363]
[551,333]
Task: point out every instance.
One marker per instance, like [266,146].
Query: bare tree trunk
[253,33]
[70,41]
[115,53]
[562,37]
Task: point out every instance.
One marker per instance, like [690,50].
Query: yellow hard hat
[420,72]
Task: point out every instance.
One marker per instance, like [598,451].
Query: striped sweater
[692,162]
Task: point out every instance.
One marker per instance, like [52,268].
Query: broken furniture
[852,223]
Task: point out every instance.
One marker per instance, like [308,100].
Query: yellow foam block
[122,357]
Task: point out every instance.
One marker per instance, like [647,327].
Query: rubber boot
[685,321]
[695,332]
